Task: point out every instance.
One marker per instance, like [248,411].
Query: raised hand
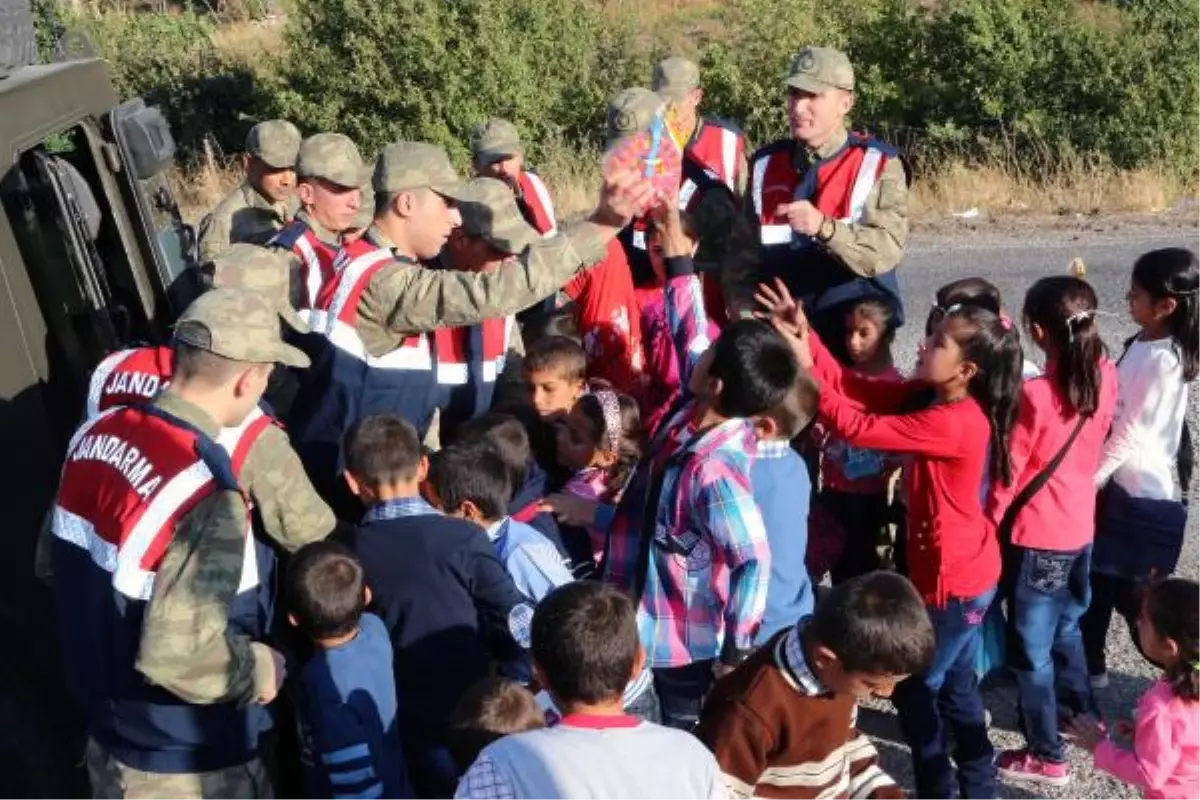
[624,193]
[787,316]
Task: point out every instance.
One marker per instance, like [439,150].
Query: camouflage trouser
[112,779]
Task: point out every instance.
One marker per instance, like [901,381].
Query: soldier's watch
[826,230]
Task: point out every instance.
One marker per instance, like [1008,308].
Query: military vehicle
[91,244]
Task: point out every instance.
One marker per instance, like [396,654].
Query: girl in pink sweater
[1165,759]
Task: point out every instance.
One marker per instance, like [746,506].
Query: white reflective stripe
[129,578]
[729,156]
[639,240]
[543,194]
[775,234]
[453,374]
[87,426]
[70,527]
[306,315]
[345,338]
[100,377]
[249,565]
[685,193]
[228,438]
[758,175]
[863,183]
[312,281]
[349,278]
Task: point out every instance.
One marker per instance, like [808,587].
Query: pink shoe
[1022,765]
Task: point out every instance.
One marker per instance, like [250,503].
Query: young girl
[852,507]
[1140,524]
[1165,760]
[958,407]
[1045,519]
[600,442]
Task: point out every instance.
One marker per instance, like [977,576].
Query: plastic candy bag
[654,154]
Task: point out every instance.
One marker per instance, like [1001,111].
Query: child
[491,709]
[975,293]
[450,607]
[471,483]
[853,501]
[1046,519]
[783,724]
[782,488]
[1165,760]
[585,649]
[1140,524]
[345,694]
[600,442]
[957,409]
[555,369]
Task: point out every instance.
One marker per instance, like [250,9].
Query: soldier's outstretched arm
[188,646]
[291,510]
[876,244]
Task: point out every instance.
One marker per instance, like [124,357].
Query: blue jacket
[781,489]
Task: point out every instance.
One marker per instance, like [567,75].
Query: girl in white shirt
[1140,522]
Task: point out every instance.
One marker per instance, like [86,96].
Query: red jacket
[535,203]
[719,147]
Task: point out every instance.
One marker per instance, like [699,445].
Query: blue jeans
[1047,592]
[948,693]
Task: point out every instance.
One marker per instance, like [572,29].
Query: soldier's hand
[802,216]
[279,673]
[625,194]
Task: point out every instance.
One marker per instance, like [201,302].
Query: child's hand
[1086,731]
[788,317]
[675,241]
[569,509]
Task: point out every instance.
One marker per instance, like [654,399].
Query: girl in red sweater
[958,407]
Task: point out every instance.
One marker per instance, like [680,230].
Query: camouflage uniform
[187,646]
[244,215]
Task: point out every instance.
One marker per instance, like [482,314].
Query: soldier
[497,152]
[382,304]
[330,172]
[263,203]
[825,210]
[715,144]
[161,585]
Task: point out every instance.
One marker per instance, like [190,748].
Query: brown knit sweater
[777,732]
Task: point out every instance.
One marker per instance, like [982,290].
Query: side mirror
[148,141]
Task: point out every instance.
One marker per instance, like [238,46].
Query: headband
[610,408]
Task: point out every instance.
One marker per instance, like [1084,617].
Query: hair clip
[1006,321]
[610,408]
[1076,318]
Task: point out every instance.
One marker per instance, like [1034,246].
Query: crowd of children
[610,590]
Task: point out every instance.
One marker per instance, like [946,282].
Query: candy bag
[654,154]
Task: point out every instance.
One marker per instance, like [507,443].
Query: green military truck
[92,254]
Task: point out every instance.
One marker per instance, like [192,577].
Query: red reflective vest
[316,258]
[535,203]
[129,377]
[719,147]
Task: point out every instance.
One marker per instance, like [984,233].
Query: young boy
[450,607]
[555,371]
[782,490]
[345,694]
[783,724]
[585,650]
[491,709]
[471,483]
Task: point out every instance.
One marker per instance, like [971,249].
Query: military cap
[632,111]
[238,324]
[495,140]
[257,269]
[366,211]
[674,77]
[407,166]
[333,157]
[819,69]
[275,142]
[493,216]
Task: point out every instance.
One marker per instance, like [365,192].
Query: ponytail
[1064,308]
[1173,609]
[1173,272]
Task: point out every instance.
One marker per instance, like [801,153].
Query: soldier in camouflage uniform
[183,716]
[264,202]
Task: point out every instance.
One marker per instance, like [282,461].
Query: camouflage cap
[819,69]
[674,77]
[406,166]
[632,111]
[366,210]
[492,215]
[237,324]
[495,140]
[257,269]
[275,142]
[333,157]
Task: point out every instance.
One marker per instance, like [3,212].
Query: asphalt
[1013,257]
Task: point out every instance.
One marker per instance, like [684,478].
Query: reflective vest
[316,258]
[442,368]
[718,147]
[129,377]
[837,186]
[131,475]
[535,204]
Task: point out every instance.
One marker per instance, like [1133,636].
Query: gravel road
[1013,257]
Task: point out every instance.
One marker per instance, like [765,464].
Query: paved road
[1013,261]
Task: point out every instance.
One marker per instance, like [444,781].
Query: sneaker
[1099,680]
[1022,765]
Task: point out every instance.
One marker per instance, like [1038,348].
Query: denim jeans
[681,692]
[948,694]
[1047,591]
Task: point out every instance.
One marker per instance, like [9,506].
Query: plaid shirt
[705,585]
[399,507]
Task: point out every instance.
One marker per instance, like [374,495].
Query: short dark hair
[970,292]
[875,624]
[472,471]
[382,449]
[797,408]
[325,589]
[558,354]
[756,367]
[491,709]
[506,436]
[880,310]
[197,364]
[584,638]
